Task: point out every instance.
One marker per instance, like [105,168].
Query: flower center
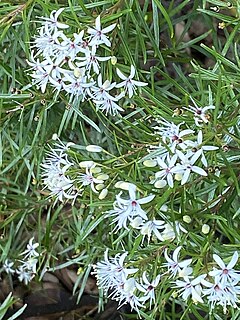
[225,271]
[150,287]
[216,288]
[134,203]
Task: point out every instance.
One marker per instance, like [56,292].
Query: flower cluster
[73,65]
[129,211]
[126,286]
[220,288]
[54,173]
[224,288]
[179,154]
[114,276]
[67,179]
[26,270]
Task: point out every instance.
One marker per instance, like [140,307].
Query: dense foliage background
[187,52]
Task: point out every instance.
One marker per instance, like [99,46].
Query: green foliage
[175,68]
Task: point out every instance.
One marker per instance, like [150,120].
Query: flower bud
[95,170]
[113,60]
[99,186]
[187,219]
[150,163]
[55,136]
[93,148]
[164,208]
[103,194]
[178,176]
[136,222]
[186,271]
[86,164]
[103,176]
[124,185]
[106,84]
[205,228]
[174,294]
[77,72]
[160,184]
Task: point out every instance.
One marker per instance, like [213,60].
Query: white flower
[41,78]
[128,83]
[70,47]
[191,288]
[175,266]
[77,86]
[132,204]
[109,105]
[98,35]
[30,264]
[167,167]
[88,179]
[31,249]
[187,166]
[172,135]
[24,275]
[148,288]
[54,173]
[62,188]
[111,271]
[226,274]
[46,71]
[128,209]
[101,92]
[200,115]
[52,23]
[7,266]
[220,294]
[197,145]
[91,61]
[152,226]
[126,295]
[47,43]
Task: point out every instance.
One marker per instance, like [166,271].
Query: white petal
[139,83]
[132,73]
[146,199]
[170,180]
[200,137]
[93,148]
[161,163]
[199,171]
[209,148]
[123,256]
[233,260]
[196,156]
[176,252]
[130,90]
[121,75]
[158,234]
[132,191]
[167,257]
[109,28]
[219,261]
[98,23]
[185,176]
[196,297]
